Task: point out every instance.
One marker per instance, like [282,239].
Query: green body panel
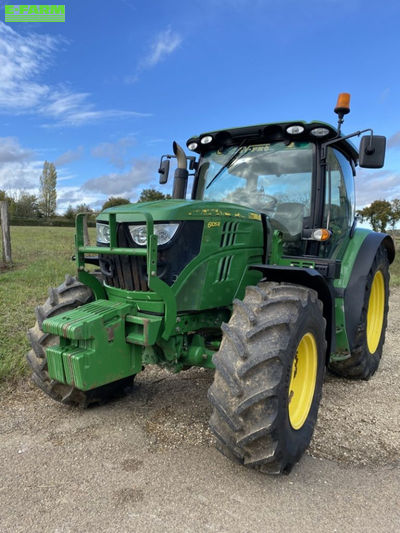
[347,264]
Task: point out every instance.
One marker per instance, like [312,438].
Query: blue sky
[104,94]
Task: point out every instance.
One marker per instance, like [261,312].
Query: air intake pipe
[181,173]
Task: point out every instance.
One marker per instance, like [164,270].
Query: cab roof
[268,133]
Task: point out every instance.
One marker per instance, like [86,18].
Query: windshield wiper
[227,164]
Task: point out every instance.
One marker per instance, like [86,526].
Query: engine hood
[163,210]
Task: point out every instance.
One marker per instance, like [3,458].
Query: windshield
[276,173]
[275,179]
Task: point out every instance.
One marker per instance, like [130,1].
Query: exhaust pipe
[181,173]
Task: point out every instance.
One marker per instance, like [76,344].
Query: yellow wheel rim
[376,311]
[302,381]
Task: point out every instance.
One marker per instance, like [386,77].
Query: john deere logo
[35,13]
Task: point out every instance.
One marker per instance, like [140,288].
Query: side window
[347,174]
[339,200]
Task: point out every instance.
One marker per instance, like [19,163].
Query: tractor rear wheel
[370,337]
[70,295]
[269,374]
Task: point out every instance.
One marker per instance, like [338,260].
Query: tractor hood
[162,210]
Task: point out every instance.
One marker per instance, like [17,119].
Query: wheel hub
[376,310]
[302,381]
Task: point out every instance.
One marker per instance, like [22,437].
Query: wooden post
[5,232]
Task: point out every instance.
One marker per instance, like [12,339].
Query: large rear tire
[364,359]
[70,295]
[269,375]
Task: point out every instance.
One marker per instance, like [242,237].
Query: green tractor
[262,275]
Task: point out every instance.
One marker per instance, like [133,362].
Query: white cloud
[11,151]
[165,43]
[129,184]
[380,185]
[74,195]
[18,170]
[394,140]
[114,152]
[69,156]
[22,59]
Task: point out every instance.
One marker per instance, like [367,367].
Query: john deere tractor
[261,275]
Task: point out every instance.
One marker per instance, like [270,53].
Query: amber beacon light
[343,104]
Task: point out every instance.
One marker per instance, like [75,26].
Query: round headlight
[295,130]
[319,132]
[206,139]
[192,146]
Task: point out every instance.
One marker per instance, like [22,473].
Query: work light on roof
[295,130]
[319,132]
[206,139]
[192,146]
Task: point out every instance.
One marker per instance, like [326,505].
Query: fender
[308,277]
[355,290]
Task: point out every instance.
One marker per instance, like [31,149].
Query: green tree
[71,212]
[26,205]
[378,214]
[150,195]
[395,214]
[48,190]
[113,201]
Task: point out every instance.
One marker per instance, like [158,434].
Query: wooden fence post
[5,232]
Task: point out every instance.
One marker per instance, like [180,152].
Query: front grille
[130,272]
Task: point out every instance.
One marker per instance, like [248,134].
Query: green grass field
[42,257]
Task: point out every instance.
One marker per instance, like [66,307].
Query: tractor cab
[299,175]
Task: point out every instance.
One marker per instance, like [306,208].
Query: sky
[104,94]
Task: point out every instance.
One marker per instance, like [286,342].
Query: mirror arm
[339,138]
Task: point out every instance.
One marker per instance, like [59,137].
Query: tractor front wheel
[269,375]
[70,295]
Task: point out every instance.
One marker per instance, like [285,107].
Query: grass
[42,257]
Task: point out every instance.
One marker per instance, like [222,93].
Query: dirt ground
[147,462]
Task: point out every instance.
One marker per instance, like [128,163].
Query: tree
[113,201]
[395,214]
[150,195]
[48,191]
[378,214]
[26,205]
[71,212]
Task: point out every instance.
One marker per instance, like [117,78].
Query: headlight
[102,233]
[164,233]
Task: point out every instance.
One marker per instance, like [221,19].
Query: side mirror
[164,171]
[372,151]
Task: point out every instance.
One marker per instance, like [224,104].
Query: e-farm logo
[35,13]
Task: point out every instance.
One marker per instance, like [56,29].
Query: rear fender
[354,292]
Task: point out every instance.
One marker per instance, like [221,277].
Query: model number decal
[213,224]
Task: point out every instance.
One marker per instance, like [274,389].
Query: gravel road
[147,462]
